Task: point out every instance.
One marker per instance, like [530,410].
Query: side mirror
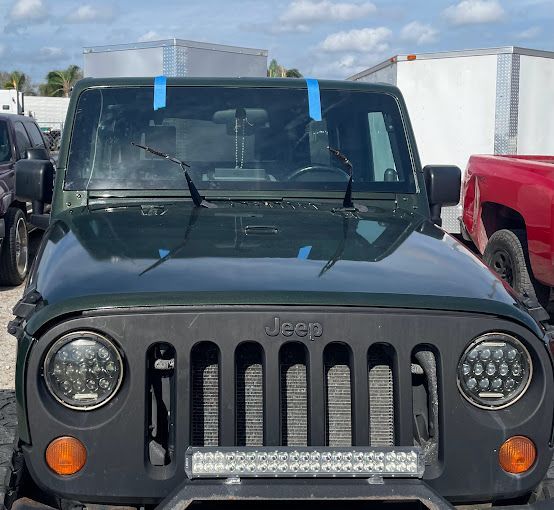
[34,182]
[443,184]
[39,153]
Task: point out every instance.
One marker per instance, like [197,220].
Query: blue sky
[323,38]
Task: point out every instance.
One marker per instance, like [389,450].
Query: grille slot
[205,394]
[294,397]
[161,404]
[339,395]
[425,401]
[381,395]
[249,395]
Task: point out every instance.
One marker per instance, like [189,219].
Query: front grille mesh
[293,398]
[249,395]
[381,396]
[339,397]
[205,395]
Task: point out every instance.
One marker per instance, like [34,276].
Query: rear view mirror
[34,182]
[443,184]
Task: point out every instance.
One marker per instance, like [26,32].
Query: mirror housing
[443,183]
[34,182]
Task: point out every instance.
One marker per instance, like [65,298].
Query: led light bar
[290,462]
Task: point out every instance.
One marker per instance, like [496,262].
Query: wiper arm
[199,201]
[347,202]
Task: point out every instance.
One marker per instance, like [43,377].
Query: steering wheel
[317,168]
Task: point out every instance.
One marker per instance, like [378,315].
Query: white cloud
[151,35]
[88,14]
[51,52]
[530,33]
[419,33]
[301,15]
[28,11]
[469,12]
[345,66]
[316,11]
[361,40]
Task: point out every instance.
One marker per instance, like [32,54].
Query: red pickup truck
[509,215]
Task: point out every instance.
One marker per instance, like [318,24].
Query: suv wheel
[506,253]
[14,258]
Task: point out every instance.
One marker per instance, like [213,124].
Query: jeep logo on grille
[312,330]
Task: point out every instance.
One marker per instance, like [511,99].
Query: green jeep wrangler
[244,295]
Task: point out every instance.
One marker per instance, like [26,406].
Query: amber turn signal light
[517,455]
[66,455]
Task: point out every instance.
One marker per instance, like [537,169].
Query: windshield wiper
[347,202]
[199,201]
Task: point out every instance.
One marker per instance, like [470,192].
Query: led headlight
[83,370]
[494,371]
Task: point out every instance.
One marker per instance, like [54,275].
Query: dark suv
[244,295]
[18,135]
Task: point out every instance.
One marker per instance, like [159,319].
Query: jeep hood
[261,253]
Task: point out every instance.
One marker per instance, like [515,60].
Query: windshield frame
[412,156]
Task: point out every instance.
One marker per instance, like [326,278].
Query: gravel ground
[8,298]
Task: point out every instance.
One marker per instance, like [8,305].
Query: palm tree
[276,70]
[16,81]
[59,83]
[293,73]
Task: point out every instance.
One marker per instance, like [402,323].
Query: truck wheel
[11,460]
[14,258]
[506,253]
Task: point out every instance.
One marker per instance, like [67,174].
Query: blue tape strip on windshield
[314,99]
[160,83]
[304,252]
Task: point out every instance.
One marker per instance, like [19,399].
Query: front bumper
[314,490]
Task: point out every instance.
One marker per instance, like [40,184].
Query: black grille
[282,392]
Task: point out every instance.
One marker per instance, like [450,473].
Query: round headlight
[494,371]
[83,370]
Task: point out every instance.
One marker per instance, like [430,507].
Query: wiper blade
[199,201]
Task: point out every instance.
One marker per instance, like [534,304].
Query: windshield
[237,138]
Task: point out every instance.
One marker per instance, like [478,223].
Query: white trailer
[174,58]
[48,112]
[485,101]
[11,101]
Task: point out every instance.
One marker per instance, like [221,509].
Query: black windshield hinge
[535,309]
[23,310]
